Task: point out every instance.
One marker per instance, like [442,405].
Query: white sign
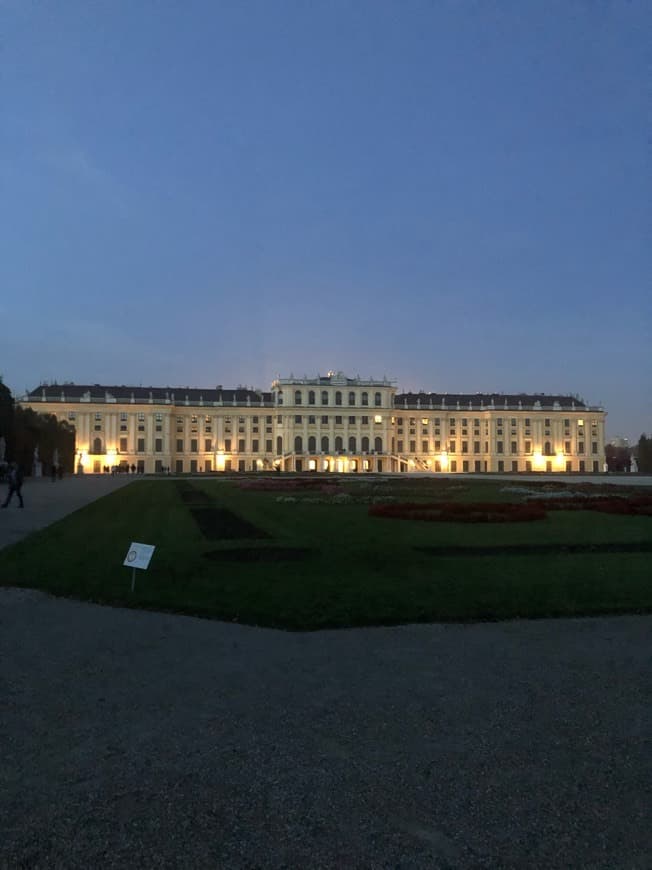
[139,556]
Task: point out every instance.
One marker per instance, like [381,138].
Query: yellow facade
[325,424]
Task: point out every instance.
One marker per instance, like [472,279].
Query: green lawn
[362,570]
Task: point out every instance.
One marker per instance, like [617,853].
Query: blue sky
[452,194]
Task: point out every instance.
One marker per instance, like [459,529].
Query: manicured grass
[359,570]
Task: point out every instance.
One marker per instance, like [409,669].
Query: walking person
[15,485]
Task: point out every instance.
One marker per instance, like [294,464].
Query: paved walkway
[47,502]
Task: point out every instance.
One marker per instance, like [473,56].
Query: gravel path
[135,739]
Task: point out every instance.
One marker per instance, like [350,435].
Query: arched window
[279,397]
[311,397]
[324,444]
[279,444]
[351,398]
[365,398]
[324,397]
[312,444]
[97,445]
[378,445]
[352,444]
[297,397]
[377,400]
[298,444]
[338,398]
[338,444]
[365,445]
[547,449]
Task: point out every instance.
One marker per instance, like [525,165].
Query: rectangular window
[514,465]
[141,417]
[499,421]
[453,465]
[179,466]
[465,446]
[378,419]
[400,446]
[141,445]
[241,445]
[424,421]
[324,420]
[465,465]
[527,423]
[567,447]
[580,447]
[179,445]
[159,427]
[123,416]
[501,465]
[254,446]
[528,447]
[365,421]
[476,446]
[486,447]
[514,447]
[338,421]
[227,445]
[123,445]
[528,465]
[351,421]
[158,445]
[437,445]
[311,420]
[208,445]
[268,419]
[424,446]
[72,415]
[193,419]
[582,465]
[193,445]
[141,427]
[268,445]
[413,446]
[123,427]
[477,465]
[297,418]
[594,447]
[279,418]
[158,418]
[99,417]
[546,422]
[193,466]
[499,447]
[513,422]
[451,446]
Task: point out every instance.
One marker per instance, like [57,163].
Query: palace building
[329,423]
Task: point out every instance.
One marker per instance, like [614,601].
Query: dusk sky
[453,194]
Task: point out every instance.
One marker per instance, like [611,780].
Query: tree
[645,454]
[6,417]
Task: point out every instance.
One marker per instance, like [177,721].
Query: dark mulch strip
[260,554]
[219,524]
[537,549]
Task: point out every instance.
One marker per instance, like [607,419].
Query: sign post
[138,556]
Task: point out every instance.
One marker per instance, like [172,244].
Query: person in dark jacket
[15,485]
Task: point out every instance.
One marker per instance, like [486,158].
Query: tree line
[25,430]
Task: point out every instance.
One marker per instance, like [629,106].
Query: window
[297,397]
[351,398]
[465,465]
[378,400]
[476,446]
[312,444]
[158,445]
[514,447]
[351,421]
[123,416]
[179,445]
[378,445]
[279,397]
[141,427]
[594,447]
[324,420]
[193,445]
[339,444]
[547,449]
[365,398]
[567,447]
[338,398]
[486,447]
[99,416]
[528,447]
[513,422]
[193,419]
[193,466]
[208,445]
[365,421]
[424,421]
[298,444]
[324,444]
[297,418]
[268,445]
[241,445]
[580,447]
[72,415]
[365,444]
[123,445]
[413,446]
[279,444]
[141,445]
[378,419]
[352,444]
[546,422]
[311,420]
[437,445]
[227,445]
[499,447]
[465,446]
[338,421]
[399,445]
[311,397]
[424,446]
[158,417]
[324,397]
[453,465]
[514,465]
[279,418]
[451,447]
[499,421]
[501,465]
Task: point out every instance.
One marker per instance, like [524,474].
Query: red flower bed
[638,506]
[460,512]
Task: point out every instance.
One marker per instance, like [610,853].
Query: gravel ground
[136,739]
